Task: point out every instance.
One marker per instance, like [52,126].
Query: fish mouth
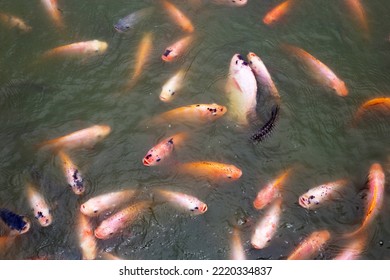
[302,202]
[257,204]
[203,208]
[146,162]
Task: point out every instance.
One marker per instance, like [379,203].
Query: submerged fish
[86,237]
[97,205]
[211,170]
[232,3]
[241,88]
[120,220]
[128,22]
[178,16]
[39,206]
[81,49]
[316,196]
[318,70]
[358,11]
[379,102]
[14,22]
[184,201]
[278,12]
[72,174]
[310,246]
[236,248]
[18,224]
[163,149]
[353,248]
[54,12]
[175,50]
[267,128]
[171,87]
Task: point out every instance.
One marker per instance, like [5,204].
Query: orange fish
[211,170]
[353,249]
[319,71]
[272,190]
[357,9]
[310,246]
[6,242]
[196,113]
[376,189]
[72,174]
[120,220]
[14,22]
[176,49]
[39,206]
[278,12]
[86,137]
[184,201]
[97,205]
[379,102]
[237,250]
[163,149]
[87,240]
[80,49]
[142,56]
[51,7]
[178,17]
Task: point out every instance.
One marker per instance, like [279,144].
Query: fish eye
[196,208]
[95,211]
[127,26]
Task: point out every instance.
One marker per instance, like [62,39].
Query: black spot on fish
[267,128]
[39,215]
[12,220]
[158,159]
[167,52]
[240,57]
[170,141]
[148,156]
[245,63]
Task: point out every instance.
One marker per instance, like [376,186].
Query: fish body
[120,220]
[14,22]
[86,237]
[97,205]
[39,206]
[267,128]
[73,176]
[358,11]
[54,12]
[310,246]
[128,22]
[272,190]
[211,170]
[319,71]
[177,48]
[18,224]
[171,87]
[261,73]
[383,102]
[317,196]
[86,137]
[163,149]
[196,113]
[184,201]
[80,49]
[237,250]
[178,16]
[267,226]
[274,15]
[231,3]
[241,88]
[353,249]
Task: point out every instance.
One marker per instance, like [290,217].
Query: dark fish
[14,221]
[128,22]
[260,135]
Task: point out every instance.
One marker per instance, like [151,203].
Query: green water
[40,100]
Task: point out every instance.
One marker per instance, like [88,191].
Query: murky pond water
[41,99]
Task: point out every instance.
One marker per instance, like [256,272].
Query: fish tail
[266,129]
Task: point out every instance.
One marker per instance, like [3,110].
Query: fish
[310,246]
[376,189]
[12,21]
[267,226]
[51,7]
[276,13]
[86,238]
[16,223]
[183,201]
[142,56]
[241,89]
[39,205]
[78,49]
[195,113]
[318,70]
[178,16]
[357,10]
[272,190]
[318,195]
[211,170]
[267,128]
[262,75]
[86,137]
[231,3]
[71,171]
[6,242]
[176,49]
[171,87]
[163,149]
[118,221]
[378,102]
[353,248]
[97,205]
[236,248]
[128,22]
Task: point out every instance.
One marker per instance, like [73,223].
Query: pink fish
[310,246]
[39,206]
[184,201]
[87,240]
[72,173]
[236,249]
[353,248]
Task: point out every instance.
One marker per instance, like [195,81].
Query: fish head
[199,209]
[122,26]
[166,94]
[376,171]
[26,227]
[151,158]
[234,173]
[103,232]
[339,87]
[44,220]
[89,209]
[237,63]
[102,131]
[99,47]
[168,55]
[269,19]
[213,110]
[232,3]
[308,201]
